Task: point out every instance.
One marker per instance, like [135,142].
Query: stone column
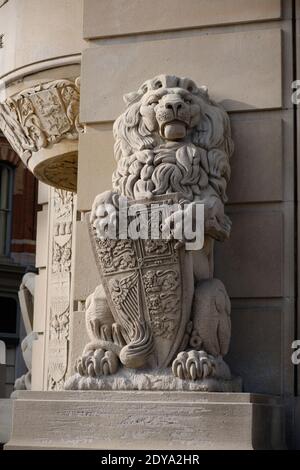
[42,125]
[59,307]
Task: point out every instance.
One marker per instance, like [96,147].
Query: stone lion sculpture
[172,138]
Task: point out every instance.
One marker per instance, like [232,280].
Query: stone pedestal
[146,420]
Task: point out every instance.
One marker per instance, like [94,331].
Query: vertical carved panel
[60,284]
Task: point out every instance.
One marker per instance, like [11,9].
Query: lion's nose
[174,105]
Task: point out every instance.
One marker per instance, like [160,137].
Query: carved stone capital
[42,125]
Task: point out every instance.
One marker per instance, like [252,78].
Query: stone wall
[35,32]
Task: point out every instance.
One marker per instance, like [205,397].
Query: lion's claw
[193,365]
[98,363]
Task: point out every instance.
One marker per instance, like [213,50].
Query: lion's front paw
[193,365]
[98,363]
[218,228]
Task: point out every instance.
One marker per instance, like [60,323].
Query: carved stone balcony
[41,124]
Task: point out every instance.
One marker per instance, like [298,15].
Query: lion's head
[171,138]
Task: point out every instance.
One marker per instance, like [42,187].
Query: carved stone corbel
[42,125]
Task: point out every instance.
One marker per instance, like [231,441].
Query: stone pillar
[59,311]
[39,108]
[41,123]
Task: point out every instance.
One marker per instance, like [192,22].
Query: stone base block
[146,420]
[163,380]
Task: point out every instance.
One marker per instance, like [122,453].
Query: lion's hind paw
[193,365]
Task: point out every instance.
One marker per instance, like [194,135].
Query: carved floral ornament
[40,117]
[60,282]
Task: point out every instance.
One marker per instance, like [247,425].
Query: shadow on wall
[255,349]
[236,105]
[251,262]
[268,428]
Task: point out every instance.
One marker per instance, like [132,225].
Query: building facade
[247,53]
[18,204]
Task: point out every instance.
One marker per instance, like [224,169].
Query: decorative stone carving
[39,118]
[60,282]
[159,309]
[26,298]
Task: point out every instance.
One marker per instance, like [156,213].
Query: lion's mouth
[174,130]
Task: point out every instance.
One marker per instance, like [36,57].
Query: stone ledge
[146,420]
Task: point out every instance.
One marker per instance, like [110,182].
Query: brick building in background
[18,201]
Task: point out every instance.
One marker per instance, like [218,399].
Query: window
[9,333]
[6,190]
[8,316]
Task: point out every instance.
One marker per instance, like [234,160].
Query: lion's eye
[188,101]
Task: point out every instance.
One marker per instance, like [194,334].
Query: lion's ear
[130,98]
[203,89]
